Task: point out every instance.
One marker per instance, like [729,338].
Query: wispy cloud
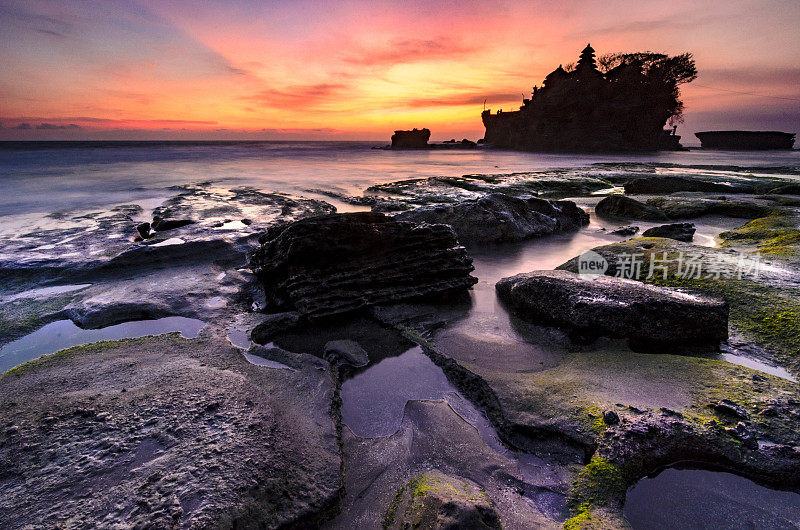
[298,96]
[72,122]
[471,98]
[649,25]
[410,50]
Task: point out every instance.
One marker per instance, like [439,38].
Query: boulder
[647,315]
[438,501]
[338,263]
[498,217]
[346,352]
[621,207]
[679,231]
[667,184]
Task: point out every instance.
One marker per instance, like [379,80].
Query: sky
[357,70]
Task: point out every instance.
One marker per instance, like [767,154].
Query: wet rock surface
[497,218]
[679,231]
[646,315]
[664,184]
[73,246]
[166,432]
[346,352]
[404,194]
[594,418]
[676,207]
[340,263]
[621,207]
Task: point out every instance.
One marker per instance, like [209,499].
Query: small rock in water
[347,352]
[678,231]
[625,230]
[143,230]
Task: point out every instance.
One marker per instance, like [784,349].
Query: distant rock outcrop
[498,217]
[746,140]
[338,263]
[413,139]
[622,105]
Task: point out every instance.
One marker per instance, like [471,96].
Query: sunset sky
[351,69]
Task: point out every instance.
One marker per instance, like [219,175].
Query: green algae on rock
[434,500]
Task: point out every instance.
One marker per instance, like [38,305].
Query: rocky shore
[558,398]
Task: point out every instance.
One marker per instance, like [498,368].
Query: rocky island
[620,103]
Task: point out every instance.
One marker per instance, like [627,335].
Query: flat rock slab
[498,217]
[164,432]
[647,315]
[335,264]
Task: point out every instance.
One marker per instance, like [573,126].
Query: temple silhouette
[621,105]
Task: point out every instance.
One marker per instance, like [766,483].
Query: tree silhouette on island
[617,102]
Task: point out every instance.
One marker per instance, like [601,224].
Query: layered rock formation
[645,314]
[498,217]
[339,263]
[621,106]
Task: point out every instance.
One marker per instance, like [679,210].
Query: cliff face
[624,108]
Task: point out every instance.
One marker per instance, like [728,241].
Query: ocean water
[46,177]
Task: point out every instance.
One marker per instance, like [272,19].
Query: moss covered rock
[434,500]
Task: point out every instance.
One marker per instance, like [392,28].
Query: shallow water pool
[65,334]
[699,499]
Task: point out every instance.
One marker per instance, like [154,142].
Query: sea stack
[413,139]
